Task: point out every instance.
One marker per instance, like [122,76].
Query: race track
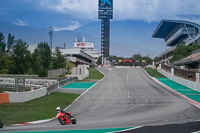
[124,98]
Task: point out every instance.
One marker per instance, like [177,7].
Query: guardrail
[57,85]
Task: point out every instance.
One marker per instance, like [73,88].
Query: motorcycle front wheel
[62,122]
[73,120]
[1,124]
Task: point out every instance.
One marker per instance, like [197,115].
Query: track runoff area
[125,100]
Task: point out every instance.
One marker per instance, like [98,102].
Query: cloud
[73,26]
[147,10]
[20,22]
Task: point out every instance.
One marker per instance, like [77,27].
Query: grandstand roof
[166,26]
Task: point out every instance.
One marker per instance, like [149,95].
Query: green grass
[153,73]
[94,74]
[38,109]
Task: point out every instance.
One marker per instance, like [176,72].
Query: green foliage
[10,42]
[99,60]
[137,57]
[5,63]
[182,51]
[156,59]
[21,58]
[45,54]
[94,74]
[58,59]
[2,43]
[154,73]
[41,59]
[70,65]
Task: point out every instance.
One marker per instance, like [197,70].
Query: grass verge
[94,74]
[38,109]
[154,73]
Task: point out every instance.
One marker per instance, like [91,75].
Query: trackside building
[175,32]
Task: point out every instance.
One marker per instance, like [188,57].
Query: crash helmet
[57,109]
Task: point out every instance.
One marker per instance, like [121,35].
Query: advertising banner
[105,4]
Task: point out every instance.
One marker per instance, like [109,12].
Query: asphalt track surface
[125,98]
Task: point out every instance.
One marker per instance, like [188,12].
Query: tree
[21,58]
[2,43]
[182,51]
[156,59]
[59,60]
[137,57]
[45,53]
[99,60]
[41,59]
[5,63]
[10,42]
[147,60]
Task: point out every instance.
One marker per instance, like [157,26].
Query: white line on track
[127,78]
[125,130]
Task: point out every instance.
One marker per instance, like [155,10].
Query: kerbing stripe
[125,130]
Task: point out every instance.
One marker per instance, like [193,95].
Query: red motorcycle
[65,119]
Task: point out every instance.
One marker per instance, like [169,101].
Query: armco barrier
[184,82]
[4,98]
[15,97]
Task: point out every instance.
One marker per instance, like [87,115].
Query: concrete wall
[187,83]
[15,97]
[80,72]
[56,72]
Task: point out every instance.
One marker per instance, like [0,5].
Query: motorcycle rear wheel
[62,122]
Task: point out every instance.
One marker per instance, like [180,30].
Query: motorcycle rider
[58,109]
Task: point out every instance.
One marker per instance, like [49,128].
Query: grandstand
[190,62]
[175,32]
[78,56]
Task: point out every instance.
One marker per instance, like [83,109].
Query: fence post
[160,66]
[172,71]
[197,77]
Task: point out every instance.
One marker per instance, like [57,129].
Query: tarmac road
[125,98]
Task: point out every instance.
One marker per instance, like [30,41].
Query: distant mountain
[127,37]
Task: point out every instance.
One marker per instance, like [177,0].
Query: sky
[71,14]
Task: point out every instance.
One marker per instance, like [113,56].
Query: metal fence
[182,73]
[166,68]
[15,88]
[18,75]
[55,86]
[189,75]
